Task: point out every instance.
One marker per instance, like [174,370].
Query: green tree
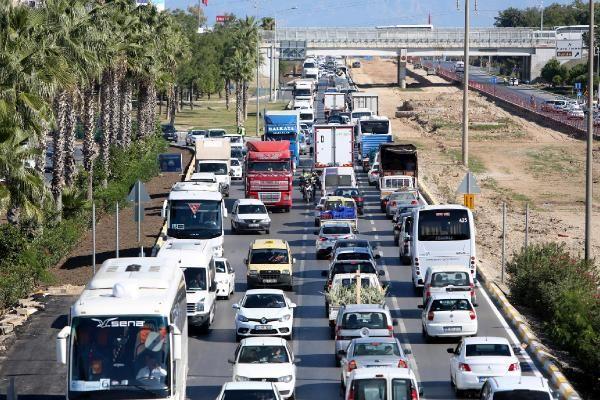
[267,23]
[551,69]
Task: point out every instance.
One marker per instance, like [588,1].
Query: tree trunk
[245,100]
[174,103]
[238,105]
[70,125]
[58,158]
[89,150]
[151,108]
[42,146]
[124,135]
[114,106]
[105,142]
[160,102]
[191,96]
[227,93]
[180,99]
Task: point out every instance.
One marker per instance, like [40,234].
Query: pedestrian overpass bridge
[537,47]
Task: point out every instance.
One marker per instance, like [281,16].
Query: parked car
[475,359]
[250,215]
[266,359]
[169,132]
[448,315]
[264,312]
[370,352]
[516,388]
[224,277]
[249,390]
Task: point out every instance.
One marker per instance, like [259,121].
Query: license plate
[253,225]
[452,329]
[269,280]
[483,378]
[263,327]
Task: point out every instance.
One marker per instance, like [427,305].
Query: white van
[333,177]
[383,383]
[441,235]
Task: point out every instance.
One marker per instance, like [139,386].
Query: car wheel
[316,222]
[268,231]
[233,228]
[337,362]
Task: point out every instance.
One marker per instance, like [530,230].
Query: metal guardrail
[446,37]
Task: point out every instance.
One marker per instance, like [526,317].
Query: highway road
[31,359]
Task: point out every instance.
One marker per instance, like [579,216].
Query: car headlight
[286,317]
[286,379]
[285,272]
[252,272]
[266,221]
[200,305]
[239,378]
[242,318]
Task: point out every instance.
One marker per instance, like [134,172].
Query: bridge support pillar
[401,73]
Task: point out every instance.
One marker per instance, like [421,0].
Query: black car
[169,132]
[355,194]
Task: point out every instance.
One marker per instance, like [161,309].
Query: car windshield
[198,133]
[338,180]
[404,196]
[376,349]
[364,319]
[269,256]
[266,166]
[353,256]
[336,230]
[351,267]
[120,354]
[401,389]
[347,282]
[263,355]
[375,127]
[249,394]
[264,300]
[521,394]
[237,153]
[332,205]
[451,305]
[306,116]
[251,209]
[216,134]
[235,162]
[195,219]
[235,139]
[444,225]
[369,389]
[347,192]
[195,278]
[487,349]
[443,279]
[216,168]
[220,266]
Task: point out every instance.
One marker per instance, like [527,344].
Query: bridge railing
[487,37]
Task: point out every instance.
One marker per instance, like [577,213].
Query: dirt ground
[76,268]
[514,160]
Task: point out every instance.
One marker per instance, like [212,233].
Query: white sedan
[449,314]
[266,359]
[236,169]
[225,278]
[249,390]
[264,312]
[476,359]
[373,174]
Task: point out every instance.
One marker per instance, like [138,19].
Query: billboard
[223,18]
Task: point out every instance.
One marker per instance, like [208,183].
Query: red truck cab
[269,173]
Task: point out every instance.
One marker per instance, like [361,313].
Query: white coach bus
[127,333]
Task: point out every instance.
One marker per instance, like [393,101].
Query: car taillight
[391,330]
[430,315]
[351,394]
[359,199]
[375,172]
[402,364]
[514,367]
[322,239]
[414,394]
[472,315]
[472,290]
[464,367]
[414,202]
[393,204]
[352,365]
[329,284]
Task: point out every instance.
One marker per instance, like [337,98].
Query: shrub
[347,295]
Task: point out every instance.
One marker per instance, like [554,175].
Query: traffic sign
[468,185]
[568,49]
[578,85]
[494,80]
[469,200]
[138,195]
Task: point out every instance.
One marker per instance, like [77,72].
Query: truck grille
[270,274]
[264,379]
[191,308]
[269,197]
[268,185]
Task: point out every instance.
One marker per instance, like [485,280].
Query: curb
[522,330]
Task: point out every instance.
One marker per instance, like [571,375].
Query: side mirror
[176,342]
[407,351]
[421,306]
[61,344]
[293,305]
[163,212]
[475,304]
[246,261]
[381,272]
[450,350]
[324,273]
[235,306]
[342,353]
[229,361]
[297,360]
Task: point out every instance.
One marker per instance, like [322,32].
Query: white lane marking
[295,341]
[373,228]
[372,222]
[511,334]
[376,237]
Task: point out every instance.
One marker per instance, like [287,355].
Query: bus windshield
[120,354]
[444,225]
[195,219]
[375,127]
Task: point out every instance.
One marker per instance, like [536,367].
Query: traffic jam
[327,168]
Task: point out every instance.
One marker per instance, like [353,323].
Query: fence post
[526,225]
[11,391]
[503,240]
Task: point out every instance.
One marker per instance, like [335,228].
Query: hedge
[562,290]
[25,258]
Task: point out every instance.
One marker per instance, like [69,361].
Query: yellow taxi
[270,264]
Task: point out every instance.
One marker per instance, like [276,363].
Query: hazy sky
[360,12]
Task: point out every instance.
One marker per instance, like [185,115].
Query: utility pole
[541,15]
[590,139]
[465,121]
[257,74]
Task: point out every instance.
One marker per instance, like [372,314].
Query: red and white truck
[269,173]
[334,145]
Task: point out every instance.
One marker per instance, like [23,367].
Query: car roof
[451,295]
[269,244]
[263,341]
[264,291]
[345,250]
[365,307]
[368,339]
[486,339]
[506,383]
[249,201]
[387,372]
[328,223]
[253,385]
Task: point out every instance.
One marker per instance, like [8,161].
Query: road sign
[468,185]
[138,195]
[292,50]
[469,200]
[403,55]
[568,49]
[170,162]
[578,85]
[579,94]
[494,80]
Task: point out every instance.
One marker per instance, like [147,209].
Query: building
[30,3]
[160,4]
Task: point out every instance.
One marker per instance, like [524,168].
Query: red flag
[205,2]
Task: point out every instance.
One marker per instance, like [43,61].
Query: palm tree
[267,23]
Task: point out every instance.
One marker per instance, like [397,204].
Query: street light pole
[465,121]
[590,139]
[257,75]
